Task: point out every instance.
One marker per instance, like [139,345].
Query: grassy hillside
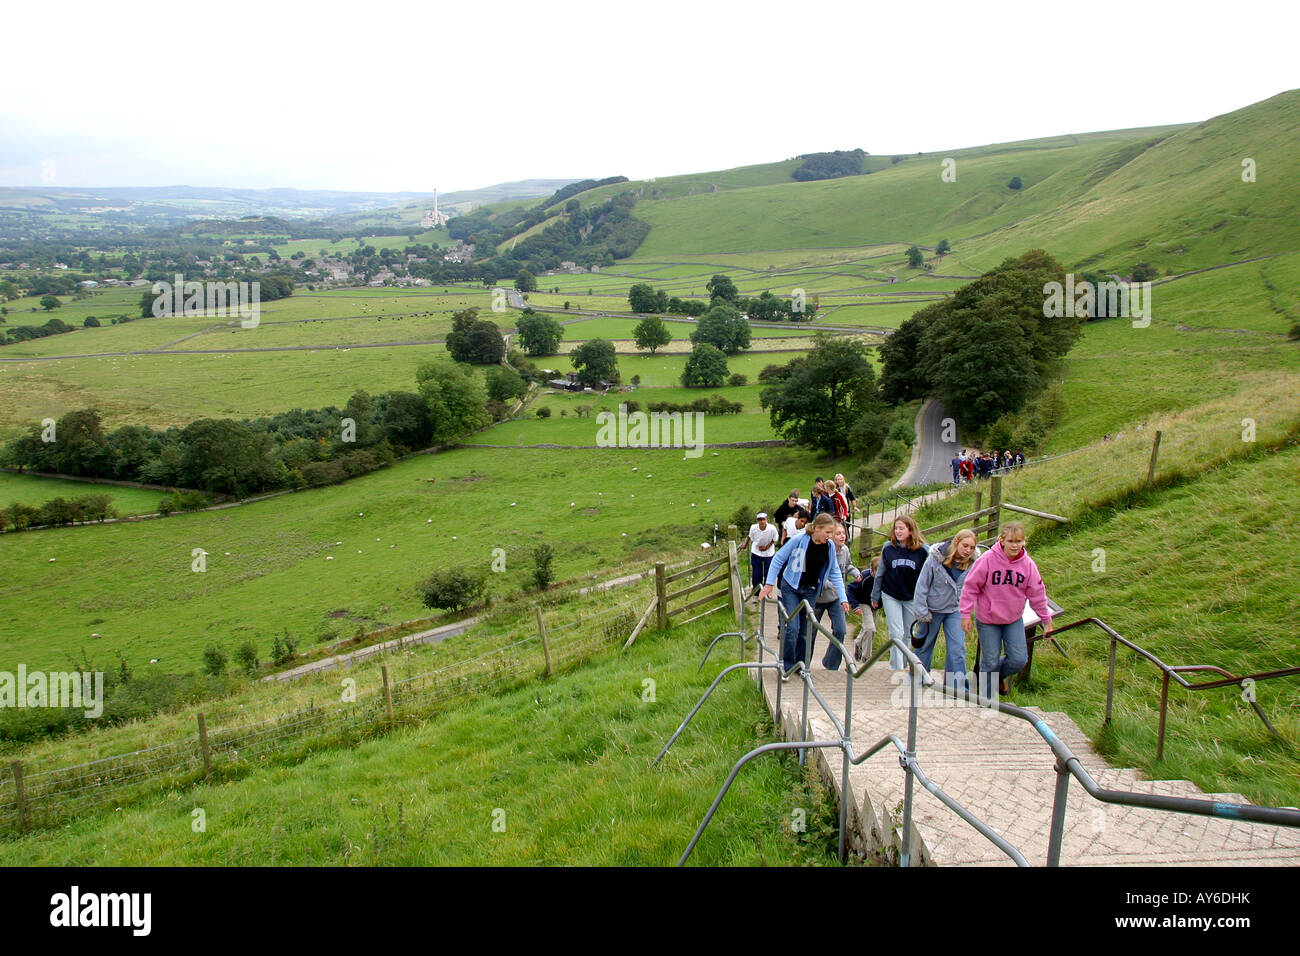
[1174,197]
[571,785]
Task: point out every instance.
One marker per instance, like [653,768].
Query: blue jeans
[758,568]
[992,638]
[899,615]
[792,643]
[832,658]
[954,662]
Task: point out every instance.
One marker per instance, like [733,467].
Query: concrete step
[1000,769]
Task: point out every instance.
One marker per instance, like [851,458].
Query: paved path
[1000,769]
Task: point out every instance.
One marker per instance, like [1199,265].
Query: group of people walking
[967,466]
[953,587]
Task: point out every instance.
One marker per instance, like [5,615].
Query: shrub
[246,657]
[738,379]
[544,412]
[543,576]
[283,648]
[453,589]
[902,431]
[215,660]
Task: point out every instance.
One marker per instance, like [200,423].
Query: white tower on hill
[432,217]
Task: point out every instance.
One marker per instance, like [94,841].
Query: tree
[504,384]
[901,376]
[1015,183]
[457,402]
[539,334]
[474,340]
[915,257]
[943,247]
[525,281]
[706,367]
[721,287]
[91,322]
[227,457]
[405,420]
[641,297]
[817,402]
[50,302]
[723,327]
[651,333]
[595,361]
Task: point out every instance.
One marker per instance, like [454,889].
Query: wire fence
[44,798]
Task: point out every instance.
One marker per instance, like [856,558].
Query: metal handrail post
[700,703]
[717,801]
[1058,814]
[1164,711]
[1110,680]
[806,674]
[905,858]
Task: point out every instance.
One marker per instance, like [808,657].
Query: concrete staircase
[1001,770]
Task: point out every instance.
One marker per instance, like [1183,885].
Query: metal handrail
[1175,672]
[1067,764]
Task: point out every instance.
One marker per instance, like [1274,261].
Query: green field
[133,583]
[33,491]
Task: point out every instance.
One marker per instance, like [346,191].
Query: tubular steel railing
[1175,672]
[1067,765]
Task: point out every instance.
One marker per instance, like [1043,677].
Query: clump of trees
[830,165]
[294,449]
[988,349]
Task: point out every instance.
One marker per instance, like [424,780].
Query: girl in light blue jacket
[938,595]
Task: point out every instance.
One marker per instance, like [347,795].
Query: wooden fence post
[995,502]
[203,746]
[1155,450]
[661,595]
[541,632]
[20,794]
[979,500]
[388,693]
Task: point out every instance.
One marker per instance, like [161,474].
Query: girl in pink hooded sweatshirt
[997,586]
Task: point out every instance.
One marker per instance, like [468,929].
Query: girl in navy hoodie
[901,561]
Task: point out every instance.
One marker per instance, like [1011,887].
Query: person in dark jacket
[901,561]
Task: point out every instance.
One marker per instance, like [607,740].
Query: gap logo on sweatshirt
[1005,577]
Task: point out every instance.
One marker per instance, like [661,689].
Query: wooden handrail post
[979,500]
[541,632]
[20,794]
[661,595]
[388,693]
[995,502]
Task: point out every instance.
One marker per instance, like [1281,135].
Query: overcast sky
[390,97]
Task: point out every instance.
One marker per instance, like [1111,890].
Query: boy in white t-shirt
[762,547]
